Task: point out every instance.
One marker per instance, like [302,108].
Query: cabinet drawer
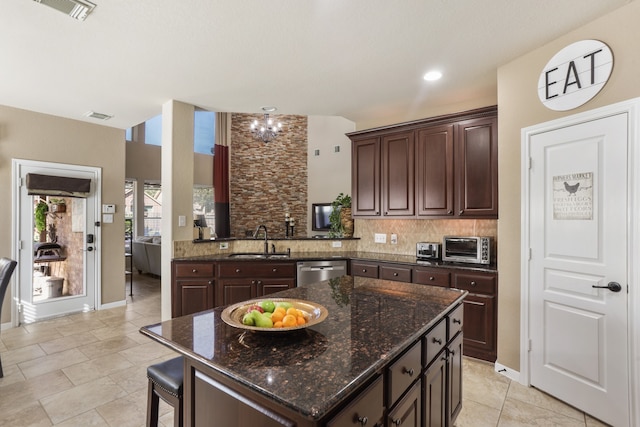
[252,269]
[364,269]
[455,319]
[475,283]
[404,372]
[195,270]
[431,276]
[367,406]
[434,342]
[399,274]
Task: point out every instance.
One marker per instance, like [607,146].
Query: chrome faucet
[266,242]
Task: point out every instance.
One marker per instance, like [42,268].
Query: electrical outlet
[182,221]
[224,245]
[380,238]
[336,244]
[394,239]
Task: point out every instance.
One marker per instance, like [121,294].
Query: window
[152,210]
[203,204]
[153,131]
[128,135]
[204,124]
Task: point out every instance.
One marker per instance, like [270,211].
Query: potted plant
[58,205]
[341,223]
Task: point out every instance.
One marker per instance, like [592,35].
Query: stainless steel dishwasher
[317,271]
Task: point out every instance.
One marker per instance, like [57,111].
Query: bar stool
[165,381]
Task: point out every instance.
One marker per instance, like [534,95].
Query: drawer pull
[237,270]
[473,283]
[458,321]
[432,278]
[194,271]
[396,422]
[274,270]
[395,274]
[409,371]
[210,282]
[363,420]
[364,270]
[436,341]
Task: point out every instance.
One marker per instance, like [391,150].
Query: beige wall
[33,136]
[330,172]
[519,107]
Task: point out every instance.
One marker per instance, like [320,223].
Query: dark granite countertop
[311,370]
[350,255]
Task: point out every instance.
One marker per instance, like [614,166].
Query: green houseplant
[58,205]
[341,223]
[41,219]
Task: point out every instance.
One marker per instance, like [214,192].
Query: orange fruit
[301,320]
[280,310]
[277,316]
[292,311]
[289,320]
[277,324]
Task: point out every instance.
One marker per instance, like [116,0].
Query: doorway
[57,239]
[579,237]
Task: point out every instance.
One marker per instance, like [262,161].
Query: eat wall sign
[575,75]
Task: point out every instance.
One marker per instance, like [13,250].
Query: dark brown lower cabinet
[408,411]
[442,390]
[366,409]
[215,404]
[193,287]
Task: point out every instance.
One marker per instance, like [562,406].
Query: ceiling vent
[99,116]
[77,9]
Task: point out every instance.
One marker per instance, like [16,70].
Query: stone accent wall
[268,179]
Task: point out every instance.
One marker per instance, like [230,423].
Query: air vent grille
[99,116]
[77,9]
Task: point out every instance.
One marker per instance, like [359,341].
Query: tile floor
[89,369]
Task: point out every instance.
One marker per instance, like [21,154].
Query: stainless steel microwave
[470,249]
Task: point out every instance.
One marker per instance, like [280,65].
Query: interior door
[578,266]
[58,268]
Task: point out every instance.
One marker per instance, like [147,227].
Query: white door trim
[17,164]
[632,108]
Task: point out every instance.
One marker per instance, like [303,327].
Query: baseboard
[4,326]
[114,304]
[507,372]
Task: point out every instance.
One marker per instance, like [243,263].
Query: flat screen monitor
[320,216]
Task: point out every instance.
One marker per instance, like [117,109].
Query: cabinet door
[434,164]
[398,178]
[232,291]
[366,408]
[454,395]
[434,394]
[477,168]
[408,412]
[480,327]
[365,177]
[193,296]
[270,286]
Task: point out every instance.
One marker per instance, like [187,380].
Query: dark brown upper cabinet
[398,177]
[434,165]
[477,167]
[441,167]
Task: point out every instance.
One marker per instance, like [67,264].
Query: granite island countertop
[312,370]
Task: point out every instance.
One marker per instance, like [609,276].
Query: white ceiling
[358,59]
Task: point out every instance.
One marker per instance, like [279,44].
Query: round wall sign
[575,75]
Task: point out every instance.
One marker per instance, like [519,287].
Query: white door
[578,266]
[57,270]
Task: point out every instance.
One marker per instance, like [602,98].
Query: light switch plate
[109,209]
[182,221]
[107,218]
[336,244]
[394,239]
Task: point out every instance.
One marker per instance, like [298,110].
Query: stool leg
[153,403]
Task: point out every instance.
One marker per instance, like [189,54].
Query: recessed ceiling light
[432,76]
[269,109]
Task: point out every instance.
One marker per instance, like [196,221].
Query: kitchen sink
[258,255]
[250,255]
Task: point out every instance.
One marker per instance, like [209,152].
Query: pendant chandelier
[268,130]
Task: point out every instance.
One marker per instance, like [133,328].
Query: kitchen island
[388,352]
